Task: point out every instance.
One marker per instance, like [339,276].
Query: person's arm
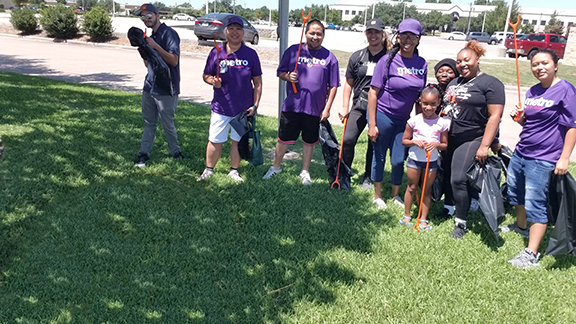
[407,137]
[372,99]
[346,99]
[169,58]
[257,81]
[211,80]
[331,95]
[564,161]
[288,77]
[494,117]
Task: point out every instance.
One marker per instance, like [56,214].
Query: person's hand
[561,167]
[495,147]
[251,111]
[325,115]
[373,133]
[431,146]
[517,114]
[151,42]
[292,77]
[217,83]
[482,154]
[421,144]
[343,113]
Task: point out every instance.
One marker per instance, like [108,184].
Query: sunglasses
[406,36]
[147,16]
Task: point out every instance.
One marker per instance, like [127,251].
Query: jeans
[528,181]
[163,107]
[390,132]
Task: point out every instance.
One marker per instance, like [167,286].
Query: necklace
[449,109]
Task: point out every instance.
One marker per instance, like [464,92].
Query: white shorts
[219,128]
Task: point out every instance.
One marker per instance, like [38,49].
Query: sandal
[406,223]
[425,226]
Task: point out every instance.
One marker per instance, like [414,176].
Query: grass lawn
[85,237]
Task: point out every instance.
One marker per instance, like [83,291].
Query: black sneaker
[179,155]
[458,231]
[141,160]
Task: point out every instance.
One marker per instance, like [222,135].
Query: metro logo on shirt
[312,60]
[538,103]
[401,71]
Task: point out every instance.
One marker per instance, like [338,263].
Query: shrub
[59,21]
[97,24]
[24,20]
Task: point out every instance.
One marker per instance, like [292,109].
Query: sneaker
[207,173]
[525,233]
[398,201]
[271,172]
[474,204]
[141,160]
[367,183]
[235,175]
[305,176]
[458,231]
[525,259]
[379,203]
[179,155]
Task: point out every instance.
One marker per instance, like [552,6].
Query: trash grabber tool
[514,26]
[336,182]
[218,48]
[300,46]
[417,224]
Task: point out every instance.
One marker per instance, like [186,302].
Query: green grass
[87,238]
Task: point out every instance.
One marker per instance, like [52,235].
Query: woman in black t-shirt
[358,76]
[474,102]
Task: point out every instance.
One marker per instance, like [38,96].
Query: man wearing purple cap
[156,101]
[236,78]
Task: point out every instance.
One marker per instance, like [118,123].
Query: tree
[161,6]
[431,1]
[61,1]
[554,25]
[444,1]
[434,19]
[527,29]
[19,3]
[86,4]
[38,3]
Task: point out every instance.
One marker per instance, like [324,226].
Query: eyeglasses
[147,16]
[409,36]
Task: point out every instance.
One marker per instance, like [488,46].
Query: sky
[295,4]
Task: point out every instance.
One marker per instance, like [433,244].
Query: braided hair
[394,50]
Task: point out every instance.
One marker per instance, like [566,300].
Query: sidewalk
[121,68]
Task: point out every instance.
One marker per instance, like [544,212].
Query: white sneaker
[379,203]
[205,174]
[305,176]
[235,175]
[398,201]
[271,172]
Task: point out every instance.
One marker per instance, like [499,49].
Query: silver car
[213,26]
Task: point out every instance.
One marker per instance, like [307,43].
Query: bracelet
[254,107]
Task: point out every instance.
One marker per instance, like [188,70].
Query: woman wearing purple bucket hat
[398,77]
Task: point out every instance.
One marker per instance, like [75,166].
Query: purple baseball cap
[410,25]
[235,20]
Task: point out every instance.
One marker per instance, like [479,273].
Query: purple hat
[410,25]
[146,6]
[235,20]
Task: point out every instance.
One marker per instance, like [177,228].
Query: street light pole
[404,11]
[325,8]
[484,20]
[469,17]
[373,7]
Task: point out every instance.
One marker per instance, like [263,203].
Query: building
[7,3]
[539,17]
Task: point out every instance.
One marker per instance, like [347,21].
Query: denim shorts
[528,181]
[413,164]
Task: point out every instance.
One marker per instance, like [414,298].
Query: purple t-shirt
[236,72]
[399,91]
[317,72]
[549,113]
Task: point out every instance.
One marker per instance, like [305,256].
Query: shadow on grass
[86,237]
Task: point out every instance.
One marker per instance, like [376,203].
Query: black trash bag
[438,184]
[486,179]
[331,151]
[250,146]
[562,213]
[240,123]
[161,70]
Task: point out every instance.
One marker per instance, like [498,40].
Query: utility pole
[234,7]
[404,11]
[365,14]
[508,18]
[469,17]
[206,6]
[373,7]
[484,20]
[325,8]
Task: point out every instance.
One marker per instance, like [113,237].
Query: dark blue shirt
[169,40]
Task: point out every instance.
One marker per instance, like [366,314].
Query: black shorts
[291,124]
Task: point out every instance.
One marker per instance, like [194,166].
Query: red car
[533,42]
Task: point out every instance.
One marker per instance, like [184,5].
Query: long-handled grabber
[336,182]
[519,106]
[417,224]
[218,48]
[300,46]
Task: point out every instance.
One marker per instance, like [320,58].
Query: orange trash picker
[519,106]
[336,181]
[300,46]
[417,224]
[218,48]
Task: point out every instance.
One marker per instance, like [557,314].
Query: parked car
[482,37]
[500,36]
[358,28]
[454,36]
[183,16]
[213,26]
[536,41]
[332,26]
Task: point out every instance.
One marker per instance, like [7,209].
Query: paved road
[121,68]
